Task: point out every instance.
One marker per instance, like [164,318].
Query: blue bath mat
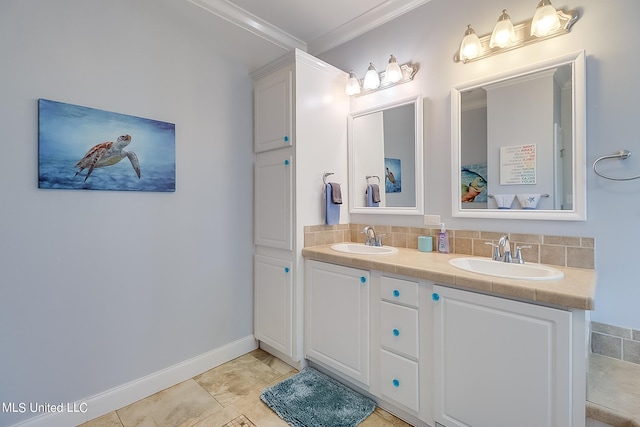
[312,399]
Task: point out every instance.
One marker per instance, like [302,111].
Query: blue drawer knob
[396,293]
[286,269]
[363,279]
[286,139]
[396,332]
[286,162]
[435,296]
[396,383]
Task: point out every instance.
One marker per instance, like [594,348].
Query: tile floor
[225,396]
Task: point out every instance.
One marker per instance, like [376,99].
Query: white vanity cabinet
[337,318]
[300,112]
[500,362]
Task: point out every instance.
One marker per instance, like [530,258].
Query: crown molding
[377,16]
[261,28]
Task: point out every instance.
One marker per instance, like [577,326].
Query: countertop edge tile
[576,290]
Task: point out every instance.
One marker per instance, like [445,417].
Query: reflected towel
[371,196]
[529,201]
[332,210]
[504,201]
[375,192]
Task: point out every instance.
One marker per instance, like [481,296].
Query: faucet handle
[379,239]
[518,258]
[496,250]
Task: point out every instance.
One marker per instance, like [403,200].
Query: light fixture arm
[523,36]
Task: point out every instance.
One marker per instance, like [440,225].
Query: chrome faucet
[370,236]
[506,244]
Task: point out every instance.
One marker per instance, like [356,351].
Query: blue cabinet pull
[363,279]
[286,162]
[396,332]
[435,296]
[396,383]
[396,293]
[286,269]
[286,138]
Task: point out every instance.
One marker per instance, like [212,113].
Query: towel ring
[368,177]
[324,177]
[621,155]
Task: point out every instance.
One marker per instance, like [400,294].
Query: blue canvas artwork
[393,175]
[90,149]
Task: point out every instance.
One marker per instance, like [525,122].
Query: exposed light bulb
[503,33]
[545,19]
[393,73]
[353,84]
[372,78]
[470,46]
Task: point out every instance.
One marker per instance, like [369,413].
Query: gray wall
[432,33]
[101,288]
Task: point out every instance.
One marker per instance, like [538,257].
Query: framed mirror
[385,158]
[518,143]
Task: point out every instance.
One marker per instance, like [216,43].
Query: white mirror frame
[419,173]
[579,211]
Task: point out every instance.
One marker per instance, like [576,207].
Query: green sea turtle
[107,154]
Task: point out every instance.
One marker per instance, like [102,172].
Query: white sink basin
[507,270]
[361,249]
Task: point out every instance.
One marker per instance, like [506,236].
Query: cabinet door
[272,110]
[273,199]
[337,318]
[500,362]
[273,296]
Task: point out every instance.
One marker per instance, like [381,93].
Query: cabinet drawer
[399,291]
[399,329]
[399,379]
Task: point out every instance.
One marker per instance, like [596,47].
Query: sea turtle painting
[108,154]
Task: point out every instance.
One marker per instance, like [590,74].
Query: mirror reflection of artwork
[473,179]
[393,175]
[90,149]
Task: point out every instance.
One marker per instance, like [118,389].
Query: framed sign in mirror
[518,143]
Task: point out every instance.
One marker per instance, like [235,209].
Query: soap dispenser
[443,240]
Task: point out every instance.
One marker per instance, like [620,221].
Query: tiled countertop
[575,290]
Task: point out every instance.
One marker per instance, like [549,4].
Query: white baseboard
[75,413]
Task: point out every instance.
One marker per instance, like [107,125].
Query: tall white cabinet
[300,132]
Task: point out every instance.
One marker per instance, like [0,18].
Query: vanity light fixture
[503,33]
[353,84]
[545,19]
[371,78]
[470,46]
[545,24]
[394,74]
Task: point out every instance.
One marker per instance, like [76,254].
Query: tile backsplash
[615,341]
[554,250]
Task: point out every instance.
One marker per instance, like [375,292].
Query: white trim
[246,20]
[125,394]
[377,16]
